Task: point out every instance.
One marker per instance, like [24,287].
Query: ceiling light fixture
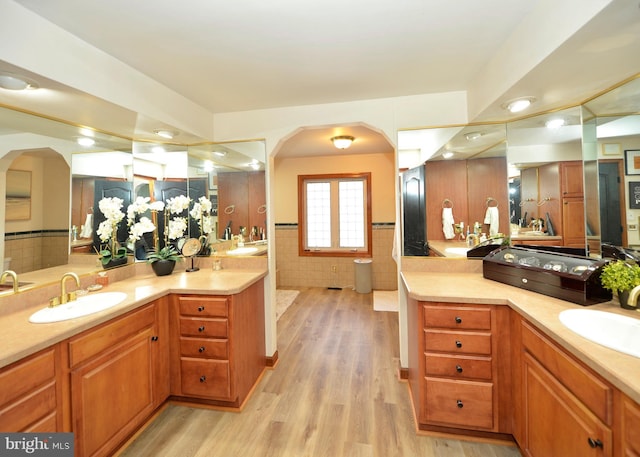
[14,82]
[447,154]
[343,141]
[554,123]
[168,134]
[518,104]
[220,153]
[471,136]
[85,141]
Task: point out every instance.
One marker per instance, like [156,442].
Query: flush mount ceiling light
[343,141]
[447,154]
[555,123]
[168,134]
[86,141]
[518,104]
[15,82]
[220,153]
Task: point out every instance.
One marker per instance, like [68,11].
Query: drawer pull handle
[200,308]
[458,344]
[459,403]
[203,378]
[201,349]
[154,338]
[458,368]
[201,328]
[458,320]
[595,443]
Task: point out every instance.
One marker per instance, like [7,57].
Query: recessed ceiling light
[168,134]
[471,136]
[85,141]
[554,123]
[518,104]
[15,82]
[220,153]
[447,154]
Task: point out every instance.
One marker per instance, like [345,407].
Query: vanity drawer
[459,367]
[18,416]
[457,317]
[457,342]
[204,306]
[205,378]
[207,348]
[209,328]
[459,403]
[24,376]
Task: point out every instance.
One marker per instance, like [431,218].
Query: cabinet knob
[201,349]
[200,308]
[458,368]
[154,338]
[459,403]
[595,443]
[203,378]
[458,320]
[458,344]
[201,328]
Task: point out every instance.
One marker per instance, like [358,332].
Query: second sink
[83,306]
[621,333]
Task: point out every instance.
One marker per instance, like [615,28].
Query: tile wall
[295,271]
[36,250]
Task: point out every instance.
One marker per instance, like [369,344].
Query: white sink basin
[83,306]
[248,250]
[614,331]
[457,251]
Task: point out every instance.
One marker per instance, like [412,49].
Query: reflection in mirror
[232,177]
[617,132]
[546,173]
[465,186]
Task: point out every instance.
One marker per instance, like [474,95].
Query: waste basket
[362,269]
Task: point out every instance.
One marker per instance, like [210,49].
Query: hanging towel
[86,228]
[447,223]
[492,218]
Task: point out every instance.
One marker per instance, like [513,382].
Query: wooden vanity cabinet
[562,407]
[119,376]
[31,394]
[629,432]
[218,346]
[456,381]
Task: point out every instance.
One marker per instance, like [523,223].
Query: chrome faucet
[13,275]
[64,296]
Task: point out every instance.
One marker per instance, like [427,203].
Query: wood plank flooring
[333,393]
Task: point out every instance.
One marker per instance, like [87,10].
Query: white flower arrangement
[140,206]
[176,226]
[177,205]
[201,212]
[111,207]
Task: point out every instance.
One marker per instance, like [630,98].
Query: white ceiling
[229,56]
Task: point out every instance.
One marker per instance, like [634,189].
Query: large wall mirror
[52,218]
[571,177]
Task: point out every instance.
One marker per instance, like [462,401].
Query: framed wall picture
[634,195]
[18,200]
[611,149]
[632,162]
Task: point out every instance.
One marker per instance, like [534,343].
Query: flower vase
[163,267]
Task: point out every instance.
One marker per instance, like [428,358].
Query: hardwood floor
[333,393]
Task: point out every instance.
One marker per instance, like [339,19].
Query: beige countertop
[20,338]
[621,370]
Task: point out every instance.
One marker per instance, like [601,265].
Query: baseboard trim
[403,374]
[272,360]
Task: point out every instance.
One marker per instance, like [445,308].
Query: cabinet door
[573,222]
[556,423]
[630,428]
[571,179]
[112,394]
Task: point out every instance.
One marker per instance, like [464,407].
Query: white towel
[492,218]
[87,227]
[447,223]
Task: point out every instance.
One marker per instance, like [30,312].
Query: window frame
[302,205]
